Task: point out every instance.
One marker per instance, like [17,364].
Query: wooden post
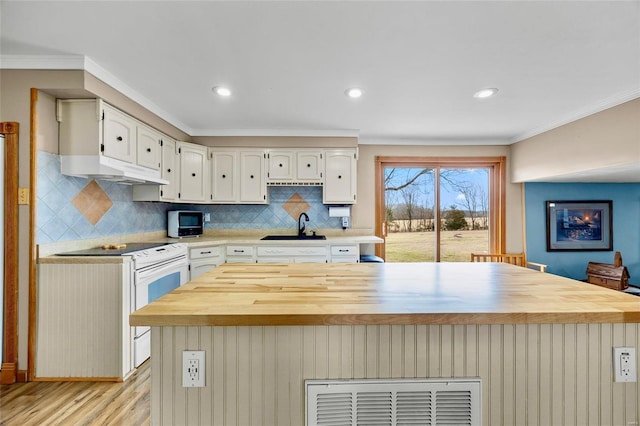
[10,348]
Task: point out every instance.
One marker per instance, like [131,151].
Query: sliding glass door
[432,210]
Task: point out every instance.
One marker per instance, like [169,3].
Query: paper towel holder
[339,211]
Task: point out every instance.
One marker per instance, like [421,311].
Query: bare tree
[410,198]
[484,207]
[470,201]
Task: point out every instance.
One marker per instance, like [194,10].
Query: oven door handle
[161,269]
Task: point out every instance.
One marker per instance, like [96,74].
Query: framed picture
[579,225]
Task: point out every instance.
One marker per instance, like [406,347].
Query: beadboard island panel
[538,374]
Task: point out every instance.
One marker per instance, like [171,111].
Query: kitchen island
[541,344]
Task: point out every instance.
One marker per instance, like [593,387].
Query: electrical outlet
[624,364]
[345,222]
[193,369]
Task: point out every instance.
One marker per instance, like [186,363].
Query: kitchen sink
[294,237]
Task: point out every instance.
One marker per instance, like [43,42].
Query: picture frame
[580,225]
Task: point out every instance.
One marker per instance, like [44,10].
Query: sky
[423,187]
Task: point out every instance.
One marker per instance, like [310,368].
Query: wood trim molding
[33,177]
[10,348]
[379,229]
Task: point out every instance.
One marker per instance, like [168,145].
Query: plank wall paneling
[82,322]
[539,374]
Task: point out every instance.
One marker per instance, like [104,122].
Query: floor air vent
[396,402]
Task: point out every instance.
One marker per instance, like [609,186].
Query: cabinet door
[309,165]
[193,172]
[119,135]
[148,147]
[281,165]
[201,266]
[170,170]
[223,176]
[340,177]
[253,186]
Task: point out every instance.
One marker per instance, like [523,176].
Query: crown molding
[604,104]
[337,133]
[42,62]
[84,63]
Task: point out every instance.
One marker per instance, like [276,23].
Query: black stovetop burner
[112,250]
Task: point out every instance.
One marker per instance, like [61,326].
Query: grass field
[456,246]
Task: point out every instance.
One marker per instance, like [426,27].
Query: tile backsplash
[103,209]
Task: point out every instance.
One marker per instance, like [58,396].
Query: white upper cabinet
[224,176]
[149,143]
[253,186]
[280,164]
[340,176]
[98,141]
[238,176]
[294,166]
[119,138]
[170,171]
[170,164]
[309,166]
[194,172]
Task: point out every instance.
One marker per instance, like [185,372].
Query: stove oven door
[151,283]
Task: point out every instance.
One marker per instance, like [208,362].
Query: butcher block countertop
[385,293]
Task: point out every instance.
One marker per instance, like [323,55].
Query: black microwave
[185,223]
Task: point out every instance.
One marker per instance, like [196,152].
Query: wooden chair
[517,259]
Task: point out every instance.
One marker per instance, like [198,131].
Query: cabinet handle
[148,149]
[343,251]
[280,165]
[168,170]
[308,165]
[339,176]
[238,251]
[205,252]
[119,138]
[193,174]
[224,176]
[251,176]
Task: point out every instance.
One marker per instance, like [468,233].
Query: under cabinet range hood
[101,167]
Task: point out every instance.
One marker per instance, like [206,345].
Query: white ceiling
[288,63]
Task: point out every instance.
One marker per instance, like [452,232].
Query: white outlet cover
[624,364]
[193,360]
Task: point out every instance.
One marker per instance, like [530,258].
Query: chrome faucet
[301,225]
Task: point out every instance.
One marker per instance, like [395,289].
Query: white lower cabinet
[240,254]
[345,253]
[292,254]
[204,259]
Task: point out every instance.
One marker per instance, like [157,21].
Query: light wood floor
[78,403]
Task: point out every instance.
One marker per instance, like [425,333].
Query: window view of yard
[420,247]
[410,205]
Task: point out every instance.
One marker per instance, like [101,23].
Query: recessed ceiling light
[221,91]
[485,93]
[353,92]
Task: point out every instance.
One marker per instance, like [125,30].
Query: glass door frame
[497,194]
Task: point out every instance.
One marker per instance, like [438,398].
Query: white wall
[610,138]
